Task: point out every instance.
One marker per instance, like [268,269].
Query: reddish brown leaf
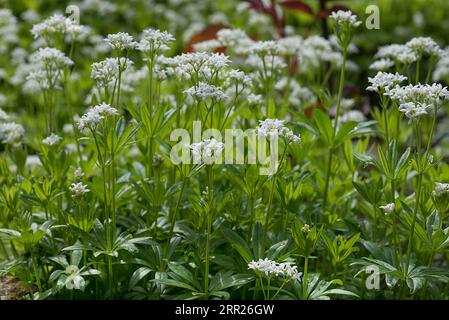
[257,5]
[297,6]
[209,33]
[309,111]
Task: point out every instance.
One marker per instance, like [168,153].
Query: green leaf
[324,126]
[175,283]
[238,244]
[138,275]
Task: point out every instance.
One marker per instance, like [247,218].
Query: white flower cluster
[51,58]
[3,115]
[207,45]
[425,45]
[406,54]
[383,81]
[315,51]
[399,53]
[440,189]
[297,94]
[121,41]
[8,29]
[11,133]
[52,140]
[382,64]
[59,25]
[262,48]
[204,91]
[268,64]
[200,66]
[78,189]
[94,115]
[352,115]
[99,7]
[78,173]
[290,46]
[269,268]
[415,101]
[106,72]
[235,40]
[274,128]
[345,17]
[238,77]
[442,68]
[154,41]
[388,208]
[47,67]
[207,151]
[132,77]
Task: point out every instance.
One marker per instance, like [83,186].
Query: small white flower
[52,140]
[121,41]
[440,189]
[51,58]
[413,110]
[204,91]
[59,25]
[383,81]
[78,189]
[290,46]
[398,53]
[255,99]
[274,128]
[415,100]
[263,48]
[388,208]
[305,228]
[79,174]
[352,115]
[3,115]
[155,41]
[207,151]
[425,45]
[11,133]
[235,39]
[207,46]
[382,64]
[345,17]
[94,115]
[272,268]
[442,68]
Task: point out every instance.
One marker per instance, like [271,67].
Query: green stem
[337,115]
[208,231]
[36,272]
[304,279]
[110,276]
[270,202]
[417,198]
[174,217]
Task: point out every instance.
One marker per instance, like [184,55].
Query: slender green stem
[385,113]
[279,290]
[209,219]
[304,279]
[36,272]
[417,197]
[174,217]
[418,64]
[270,202]
[110,276]
[337,115]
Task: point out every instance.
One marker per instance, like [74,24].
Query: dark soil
[12,288]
